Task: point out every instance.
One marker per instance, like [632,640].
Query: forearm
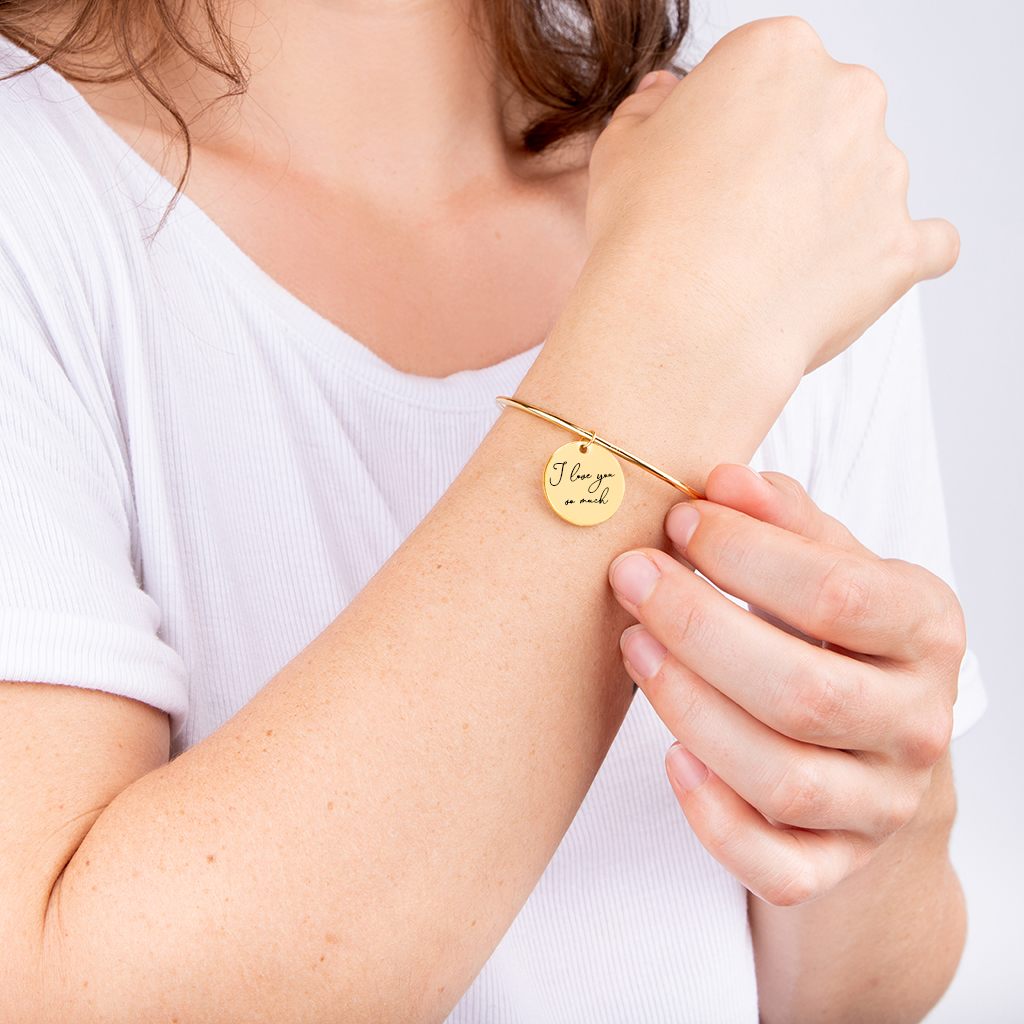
[355,842]
[882,946]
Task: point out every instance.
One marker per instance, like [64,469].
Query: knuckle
[812,873]
[797,501]
[894,182]
[781,39]
[951,629]
[843,595]
[791,487]
[902,808]
[953,243]
[904,800]
[905,250]
[928,740]
[723,836]
[957,628]
[816,703]
[867,86]
[936,629]
[793,31]
[794,797]
[800,885]
[897,172]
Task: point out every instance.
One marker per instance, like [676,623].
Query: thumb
[652,91]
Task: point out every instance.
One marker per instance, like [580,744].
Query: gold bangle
[599,485]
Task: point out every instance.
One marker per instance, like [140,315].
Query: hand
[802,747]
[767,176]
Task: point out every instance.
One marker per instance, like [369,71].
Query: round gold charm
[584,484]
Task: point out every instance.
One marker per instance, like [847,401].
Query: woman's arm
[356,840]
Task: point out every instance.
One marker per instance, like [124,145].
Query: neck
[367,84]
[383,95]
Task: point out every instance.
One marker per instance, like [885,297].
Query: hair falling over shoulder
[577,60]
[572,61]
[103,41]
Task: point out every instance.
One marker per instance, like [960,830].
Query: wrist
[647,363]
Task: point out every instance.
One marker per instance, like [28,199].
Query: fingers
[825,585]
[652,91]
[799,691]
[784,867]
[799,760]
[794,783]
[653,78]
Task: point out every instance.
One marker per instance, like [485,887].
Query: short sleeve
[72,609]
[859,434]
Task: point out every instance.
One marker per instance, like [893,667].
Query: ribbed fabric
[198,472]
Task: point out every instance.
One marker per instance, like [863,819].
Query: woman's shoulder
[68,180]
[73,233]
[44,127]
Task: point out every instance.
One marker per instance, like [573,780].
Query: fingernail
[687,772]
[644,654]
[648,80]
[633,577]
[680,523]
[750,469]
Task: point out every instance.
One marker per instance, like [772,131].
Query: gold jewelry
[591,489]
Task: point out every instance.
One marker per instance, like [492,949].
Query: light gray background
[956,108]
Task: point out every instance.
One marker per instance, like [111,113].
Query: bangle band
[599,486]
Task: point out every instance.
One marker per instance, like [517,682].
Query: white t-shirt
[198,472]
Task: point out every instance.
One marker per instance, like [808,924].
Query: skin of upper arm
[65,753]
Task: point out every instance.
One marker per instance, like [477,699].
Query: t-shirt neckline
[469,387]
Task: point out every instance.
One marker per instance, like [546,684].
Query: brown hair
[572,60]
[579,59]
[119,40]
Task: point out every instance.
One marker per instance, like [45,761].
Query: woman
[219,533]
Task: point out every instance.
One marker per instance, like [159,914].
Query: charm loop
[589,438]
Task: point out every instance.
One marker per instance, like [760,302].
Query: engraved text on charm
[583,483]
